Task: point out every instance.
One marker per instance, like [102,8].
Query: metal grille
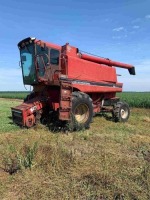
[17,117]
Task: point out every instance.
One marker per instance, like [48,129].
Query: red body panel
[98,89]
[105,61]
[88,76]
[48,44]
[86,70]
[27,110]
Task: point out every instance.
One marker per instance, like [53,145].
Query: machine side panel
[86,70]
[95,88]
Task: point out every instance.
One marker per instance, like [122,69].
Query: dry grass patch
[108,161]
[146,119]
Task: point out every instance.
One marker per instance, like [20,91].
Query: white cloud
[136,27]
[147,16]
[119,37]
[116,37]
[136,20]
[119,29]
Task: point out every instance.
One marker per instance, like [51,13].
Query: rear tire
[121,112]
[82,111]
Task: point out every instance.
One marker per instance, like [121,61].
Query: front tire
[82,110]
[121,112]
[29,96]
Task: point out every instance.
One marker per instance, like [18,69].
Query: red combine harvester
[67,84]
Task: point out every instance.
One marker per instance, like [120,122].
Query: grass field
[109,161]
[13,95]
[134,99]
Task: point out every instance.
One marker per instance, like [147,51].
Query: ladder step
[65,98]
[65,101]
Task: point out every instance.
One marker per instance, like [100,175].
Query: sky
[119,30]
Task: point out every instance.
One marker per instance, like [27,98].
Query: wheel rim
[30,121]
[81,113]
[124,113]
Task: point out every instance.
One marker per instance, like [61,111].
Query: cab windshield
[28,66]
[36,61]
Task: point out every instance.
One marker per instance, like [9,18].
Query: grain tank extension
[67,84]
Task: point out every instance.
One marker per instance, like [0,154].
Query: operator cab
[39,61]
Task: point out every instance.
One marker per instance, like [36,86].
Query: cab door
[54,63]
[47,64]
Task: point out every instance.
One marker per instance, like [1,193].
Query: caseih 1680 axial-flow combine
[68,84]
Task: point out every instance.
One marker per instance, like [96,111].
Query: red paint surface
[98,89]
[105,61]
[48,44]
[86,70]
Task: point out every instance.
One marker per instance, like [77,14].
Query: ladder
[65,100]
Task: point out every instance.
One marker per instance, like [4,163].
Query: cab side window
[54,57]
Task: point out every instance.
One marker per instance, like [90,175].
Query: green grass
[5,115]
[108,161]
[136,99]
[13,95]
